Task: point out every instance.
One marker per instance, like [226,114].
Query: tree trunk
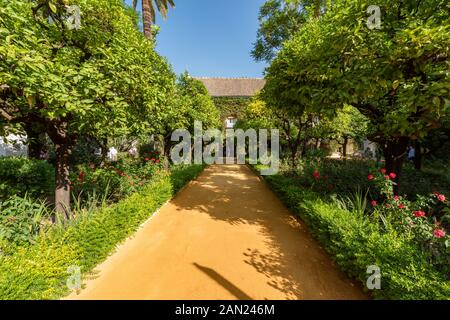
[418,156]
[166,152]
[147,18]
[304,147]
[344,148]
[293,156]
[35,148]
[104,150]
[64,143]
[34,140]
[318,143]
[317,9]
[62,193]
[394,154]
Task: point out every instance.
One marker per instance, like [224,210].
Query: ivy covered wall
[231,106]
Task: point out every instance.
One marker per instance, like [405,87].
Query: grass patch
[39,270]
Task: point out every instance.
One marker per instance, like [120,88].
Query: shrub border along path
[40,271]
[356,243]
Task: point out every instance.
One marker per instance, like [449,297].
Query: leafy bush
[347,177]
[20,176]
[415,182]
[39,271]
[147,151]
[115,180]
[423,221]
[329,175]
[356,242]
[21,219]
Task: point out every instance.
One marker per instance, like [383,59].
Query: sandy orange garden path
[225,236]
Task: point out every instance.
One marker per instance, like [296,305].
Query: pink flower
[370,177]
[441,197]
[388,206]
[392,175]
[419,214]
[396,198]
[383,171]
[387,177]
[401,206]
[147,159]
[439,233]
[374,203]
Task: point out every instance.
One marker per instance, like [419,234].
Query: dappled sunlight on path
[225,236]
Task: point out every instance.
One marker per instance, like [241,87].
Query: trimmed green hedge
[357,243]
[39,271]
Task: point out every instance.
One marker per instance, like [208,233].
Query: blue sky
[211,38]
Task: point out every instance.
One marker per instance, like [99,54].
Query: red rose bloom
[396,198]
[370,177]
[374,203]
[441,197]
[383,171]
[392,175]
[419,214]
[401,206]
[439,233]
[388,206]
[387,177]
[316,175]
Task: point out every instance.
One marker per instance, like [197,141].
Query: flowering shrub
[330,176]
[347,177]
[115,180]
[424,221]
[358,241]
[147,153]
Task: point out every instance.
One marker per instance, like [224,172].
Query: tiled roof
[233,87]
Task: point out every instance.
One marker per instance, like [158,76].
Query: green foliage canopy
[103,79]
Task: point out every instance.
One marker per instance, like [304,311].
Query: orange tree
[397,75]
[103,79]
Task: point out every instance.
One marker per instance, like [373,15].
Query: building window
[231,122]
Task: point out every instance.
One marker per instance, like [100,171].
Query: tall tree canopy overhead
[149,8]
[278,21]
[101,80]
[398,75]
